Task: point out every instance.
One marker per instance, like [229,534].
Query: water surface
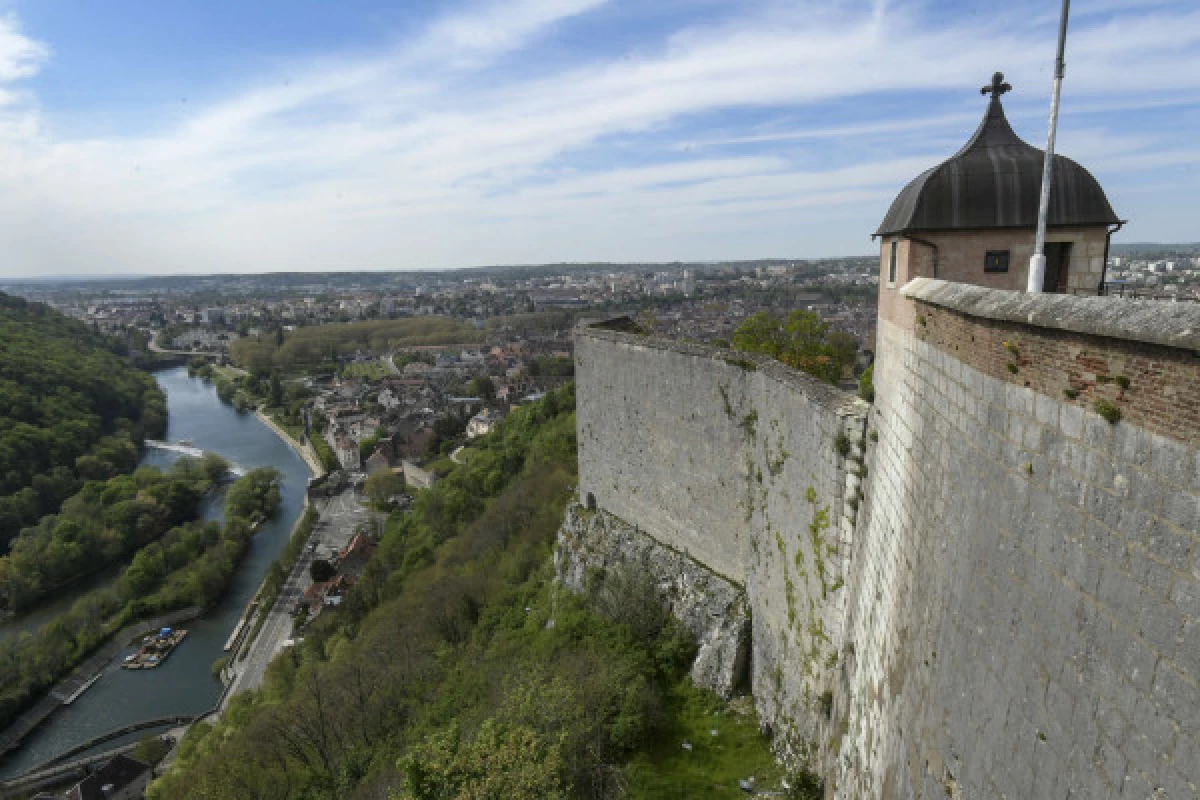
[184,684]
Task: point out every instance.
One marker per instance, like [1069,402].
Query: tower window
[892,262]
[996,261]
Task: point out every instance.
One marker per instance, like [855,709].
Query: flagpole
[1037,262]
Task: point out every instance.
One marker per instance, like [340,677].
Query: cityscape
[599,400]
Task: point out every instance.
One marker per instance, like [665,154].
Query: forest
[100,525]
[456,668]
[72,408]
[189,565]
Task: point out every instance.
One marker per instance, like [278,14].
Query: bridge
[192,452]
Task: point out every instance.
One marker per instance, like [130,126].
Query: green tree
[499,763]
[321,570]
[802,340]
[382,486]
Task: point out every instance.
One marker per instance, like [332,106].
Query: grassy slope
[457,630]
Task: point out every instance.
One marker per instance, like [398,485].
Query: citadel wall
[1024,611]
[745,467]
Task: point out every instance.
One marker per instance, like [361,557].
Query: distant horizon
[231,138]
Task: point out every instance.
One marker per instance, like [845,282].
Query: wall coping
[1152,321]
[841,402]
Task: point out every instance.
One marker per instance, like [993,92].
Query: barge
[155,648]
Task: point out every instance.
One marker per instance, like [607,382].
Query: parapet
[1148,321]
[618,330]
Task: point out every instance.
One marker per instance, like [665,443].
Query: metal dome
[994,181]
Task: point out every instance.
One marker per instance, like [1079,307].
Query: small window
[996,261]
[892,262]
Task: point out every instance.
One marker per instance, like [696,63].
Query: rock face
[593,545]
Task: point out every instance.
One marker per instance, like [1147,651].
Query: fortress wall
[734,461]
[1024,612]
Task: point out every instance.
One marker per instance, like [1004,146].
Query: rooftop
[995,181]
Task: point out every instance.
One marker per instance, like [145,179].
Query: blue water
[184,684]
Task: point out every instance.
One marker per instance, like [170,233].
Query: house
[353,558]
[122,778]
[327,594]
[378,461]
[347,453]
[389,399]
[415,475]
[483,423]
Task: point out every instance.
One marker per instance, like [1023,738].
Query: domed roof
[995,181]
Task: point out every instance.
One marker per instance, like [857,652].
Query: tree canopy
[72,408]
[802,340]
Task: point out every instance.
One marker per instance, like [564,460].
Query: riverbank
[305,452]
[185,684]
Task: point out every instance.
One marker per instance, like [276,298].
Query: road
[340,517]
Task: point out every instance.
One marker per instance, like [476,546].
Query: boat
[155,648]
[185,443]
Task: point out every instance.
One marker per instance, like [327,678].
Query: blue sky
[226,136]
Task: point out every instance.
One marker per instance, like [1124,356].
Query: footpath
[305,451]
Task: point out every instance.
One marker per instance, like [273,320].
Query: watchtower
[972,218]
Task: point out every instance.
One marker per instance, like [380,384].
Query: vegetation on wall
[456,668]
[72,408]
[801,340]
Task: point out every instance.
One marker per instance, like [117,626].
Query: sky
[231,136]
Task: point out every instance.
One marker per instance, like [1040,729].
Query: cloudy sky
[224,135]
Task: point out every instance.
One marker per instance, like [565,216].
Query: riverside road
[340,517]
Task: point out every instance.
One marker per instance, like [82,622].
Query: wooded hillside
[71,409]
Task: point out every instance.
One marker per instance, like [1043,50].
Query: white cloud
[409,158]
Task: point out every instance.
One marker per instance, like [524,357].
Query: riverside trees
[190,565]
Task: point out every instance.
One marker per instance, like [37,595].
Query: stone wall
[1009,603]
[1024,610]
[747,467]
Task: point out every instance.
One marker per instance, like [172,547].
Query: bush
[866,384]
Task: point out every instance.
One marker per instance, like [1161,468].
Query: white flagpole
[1037,262]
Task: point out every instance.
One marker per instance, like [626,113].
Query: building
[416,476]
[972,218]
[983,583]
[483,423]
[122,778]
[347,453]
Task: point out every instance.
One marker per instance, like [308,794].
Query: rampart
[1025,618]
[1009,605]
[746,467]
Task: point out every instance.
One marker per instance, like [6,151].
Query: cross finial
[997,87]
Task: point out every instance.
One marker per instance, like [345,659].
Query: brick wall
[1163,383]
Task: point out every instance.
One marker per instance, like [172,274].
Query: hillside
[457,668]
[71,409]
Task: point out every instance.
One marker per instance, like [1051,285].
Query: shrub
[1110,412]
[866,384]
[841,444]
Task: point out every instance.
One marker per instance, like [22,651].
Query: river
[184,684]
